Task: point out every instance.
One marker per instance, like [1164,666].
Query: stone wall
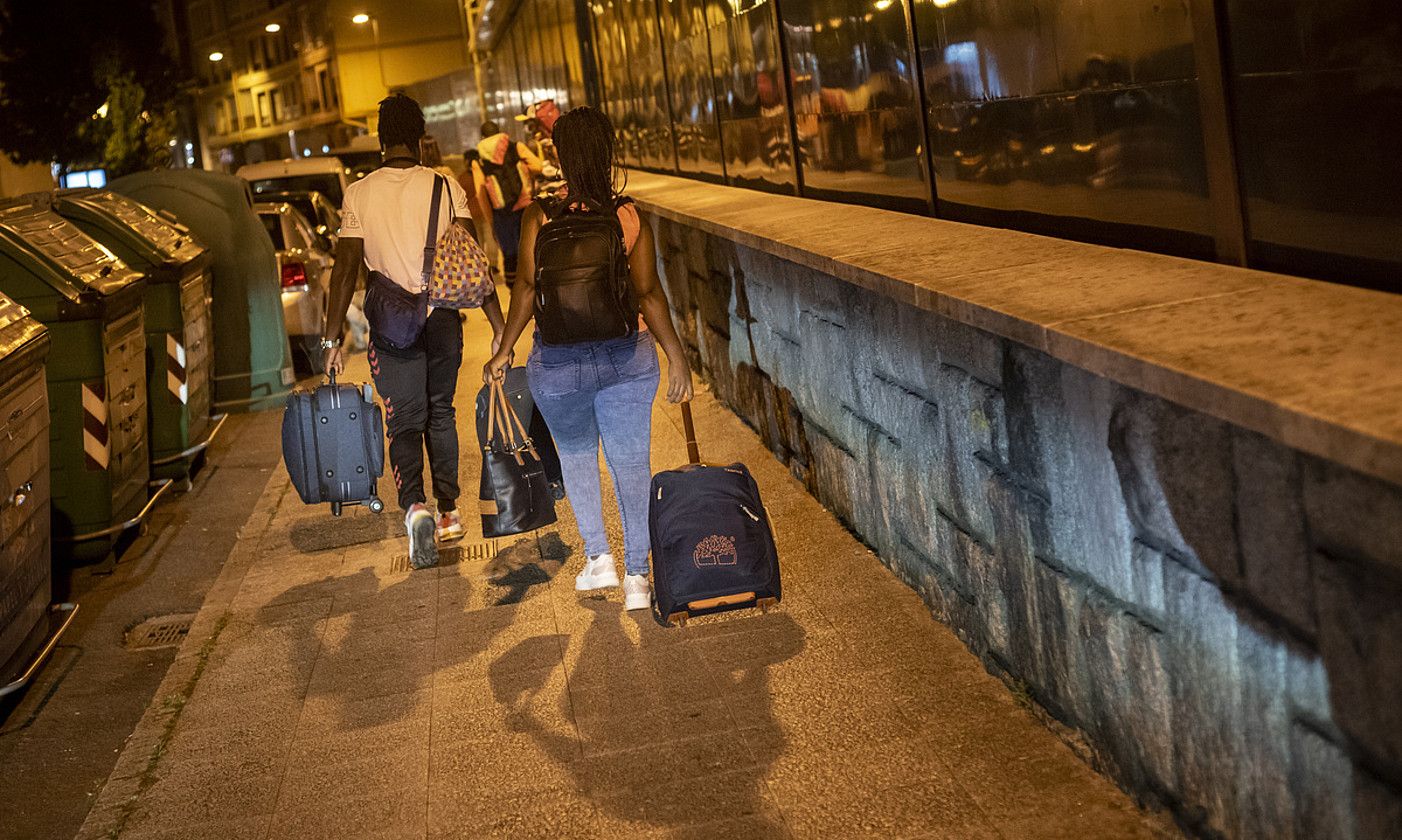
[1219,617]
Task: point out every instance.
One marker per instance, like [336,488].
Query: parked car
[326,174]
[361,155]
[315,208]
[305,268]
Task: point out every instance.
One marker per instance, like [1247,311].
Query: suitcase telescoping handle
[693,452]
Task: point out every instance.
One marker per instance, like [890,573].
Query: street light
[216,56]
[273,27]
[361,19]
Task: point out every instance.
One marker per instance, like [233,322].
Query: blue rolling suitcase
[712,546]
[333,443]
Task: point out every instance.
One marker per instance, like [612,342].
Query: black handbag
[516,386]
[515,495]
[397,315]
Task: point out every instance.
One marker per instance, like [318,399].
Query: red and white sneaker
[450,526]
[423,548]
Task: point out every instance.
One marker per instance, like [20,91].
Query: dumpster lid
[165,240]
[59,244]
[17,329]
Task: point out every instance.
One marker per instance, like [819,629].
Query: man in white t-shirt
[384,223]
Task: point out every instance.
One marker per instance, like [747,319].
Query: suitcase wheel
[377,506]
[678,619]
[766,604]
[335,508]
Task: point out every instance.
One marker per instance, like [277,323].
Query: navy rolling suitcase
[333,443]
[712,546]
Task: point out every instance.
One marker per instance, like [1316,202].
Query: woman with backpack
[587,270]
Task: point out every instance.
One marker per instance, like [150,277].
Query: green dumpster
[252,359]
[29,626]
[178,336]
[91,303]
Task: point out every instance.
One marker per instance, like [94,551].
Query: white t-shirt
[389,209]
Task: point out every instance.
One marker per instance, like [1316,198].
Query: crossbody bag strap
[431,240]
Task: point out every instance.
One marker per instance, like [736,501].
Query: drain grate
[453,554]
[476,552]
[161,631]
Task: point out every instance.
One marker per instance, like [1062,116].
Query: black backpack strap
[431,240]
[551,207]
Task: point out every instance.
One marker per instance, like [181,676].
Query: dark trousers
[506,226]
[417,386]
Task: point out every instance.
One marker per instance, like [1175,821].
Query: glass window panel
[748,74]
[855,101]
[1317,90]
[1072,117]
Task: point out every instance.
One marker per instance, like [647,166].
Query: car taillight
[293,274]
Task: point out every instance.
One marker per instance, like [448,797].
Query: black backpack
[582,288]
[508,176]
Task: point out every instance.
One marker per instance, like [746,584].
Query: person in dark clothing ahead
[384,222]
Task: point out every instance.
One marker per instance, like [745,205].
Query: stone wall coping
[1316,366]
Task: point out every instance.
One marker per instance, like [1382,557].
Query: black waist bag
[396,316]
[582,289]
[712,546]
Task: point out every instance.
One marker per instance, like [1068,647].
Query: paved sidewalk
[326,691]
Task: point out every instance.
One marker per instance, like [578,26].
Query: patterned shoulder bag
[461,273]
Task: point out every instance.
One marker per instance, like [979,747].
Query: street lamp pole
[379,53]
[361,19]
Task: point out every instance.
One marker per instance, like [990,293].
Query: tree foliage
[62,60]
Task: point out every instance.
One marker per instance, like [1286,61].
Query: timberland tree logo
[715,550]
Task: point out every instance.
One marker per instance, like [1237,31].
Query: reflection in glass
[1318,94]
[1077,117]
[748,74]
[856,108]
[693,102]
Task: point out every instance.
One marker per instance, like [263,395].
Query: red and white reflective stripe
[97,448]
[175,369]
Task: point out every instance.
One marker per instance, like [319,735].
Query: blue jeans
[601,389]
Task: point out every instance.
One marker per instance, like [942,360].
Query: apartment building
[265,80]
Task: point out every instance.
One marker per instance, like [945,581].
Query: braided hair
[401,122]
[584,141]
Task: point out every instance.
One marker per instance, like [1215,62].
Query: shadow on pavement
[663,737]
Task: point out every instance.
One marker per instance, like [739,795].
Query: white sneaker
[599,573]
[423,548]
[637,592]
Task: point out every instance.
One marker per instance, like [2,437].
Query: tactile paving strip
[449,555]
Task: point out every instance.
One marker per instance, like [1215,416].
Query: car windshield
[360,163]
[303,205]
[272,222]
[328,184]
